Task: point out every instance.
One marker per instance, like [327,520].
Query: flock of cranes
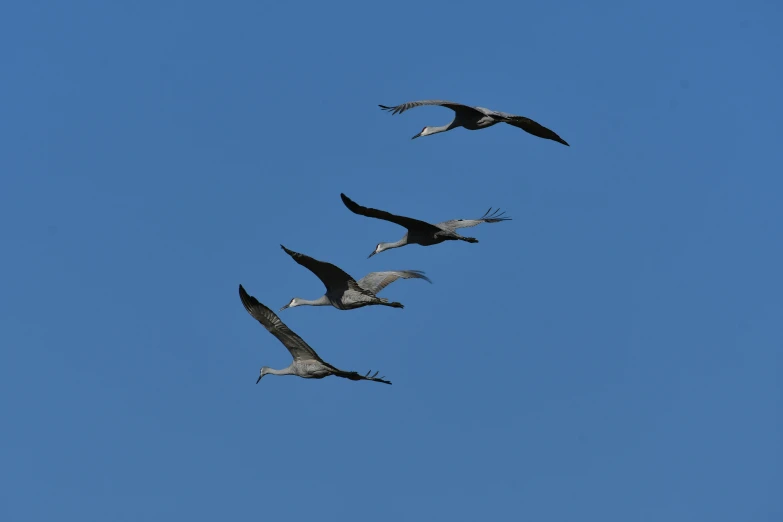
[343,291]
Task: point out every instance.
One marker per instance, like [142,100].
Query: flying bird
[306,362]
[342,291]
[421,232]
[476,118]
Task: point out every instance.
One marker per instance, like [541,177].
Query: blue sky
[611,354]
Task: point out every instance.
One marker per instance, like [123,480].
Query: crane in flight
[342,291]
[476,118]
[421,232]
[306,364]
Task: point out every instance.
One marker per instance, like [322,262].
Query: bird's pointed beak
[259,378]
[286,306]
[416,136]
[373,253]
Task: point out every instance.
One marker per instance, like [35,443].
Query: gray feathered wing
[299,349]
[459,108]
[377,281]
[488,217]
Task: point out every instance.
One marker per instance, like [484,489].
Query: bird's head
[378,248]
[423,132]
[264,371]
[294,302]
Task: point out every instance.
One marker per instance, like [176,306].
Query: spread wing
[409,223]
[333,278]
[529,126]
[459,108]
[377,281]
[299,349]
[488,217]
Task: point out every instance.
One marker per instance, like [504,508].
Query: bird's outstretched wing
[354,376]
[299,349]
[489,217]
[409,223]
[459,108]
[377,281]
[333,278]
[529,126]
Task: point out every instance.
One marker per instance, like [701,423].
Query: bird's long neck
[401,242]
[321,301]
[284,371]
[442,128]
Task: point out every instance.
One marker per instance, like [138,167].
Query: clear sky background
[611,354]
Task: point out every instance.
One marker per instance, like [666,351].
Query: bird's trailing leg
[354,376]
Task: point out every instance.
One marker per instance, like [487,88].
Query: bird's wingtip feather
[348,202]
